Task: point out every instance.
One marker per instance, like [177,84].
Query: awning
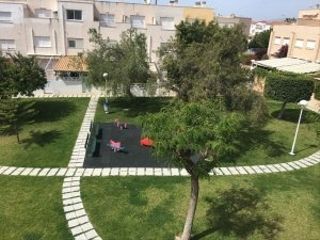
[289,65]
[70,64]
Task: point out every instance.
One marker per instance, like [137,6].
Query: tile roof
[70,64]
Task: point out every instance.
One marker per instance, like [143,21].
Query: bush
[317,90]
[288,87]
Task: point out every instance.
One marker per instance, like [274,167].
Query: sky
[256,9]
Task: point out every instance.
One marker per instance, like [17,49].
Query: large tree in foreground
[194,136]
[125,62]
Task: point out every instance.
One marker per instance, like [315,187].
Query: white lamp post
[303,104]
[106,103]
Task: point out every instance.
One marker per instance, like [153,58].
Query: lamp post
[303,104]
[106,103]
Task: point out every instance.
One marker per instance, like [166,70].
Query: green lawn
[129,109]
[48,142]
[31,209]
[155,207]
[271,144]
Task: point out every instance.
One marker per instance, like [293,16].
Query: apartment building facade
[302,37]
[233,20]
[258,27]
[54,28]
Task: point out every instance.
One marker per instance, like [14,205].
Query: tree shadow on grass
[257,138]
[137,106]
[292,115]
[241,212]
[53,110]
[41,138]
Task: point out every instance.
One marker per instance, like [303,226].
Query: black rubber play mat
[134,155]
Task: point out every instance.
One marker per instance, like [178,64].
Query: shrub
[288,87]
[317,90]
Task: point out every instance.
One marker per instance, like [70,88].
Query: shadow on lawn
[257,138]
[139,105]
[53,110]
[292,115]
[41,138]
[241,212]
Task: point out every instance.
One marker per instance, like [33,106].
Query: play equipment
[120,125]
[115,146]
[147,142]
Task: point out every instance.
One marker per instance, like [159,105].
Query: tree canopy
[203,61]
[20,75]
[125,62]
[260,40]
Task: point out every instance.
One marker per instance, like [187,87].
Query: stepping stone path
[77,218]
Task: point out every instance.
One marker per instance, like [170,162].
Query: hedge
[317,90]
[288,87]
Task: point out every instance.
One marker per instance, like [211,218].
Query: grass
[31,209]
[129,109]
[48,142]
[154,208]
[271,144]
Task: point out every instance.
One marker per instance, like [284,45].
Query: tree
[195,136]
[14,114]
[203,61]
[282,52]
[20,75]
[260,40]
[126,61]
[288,87]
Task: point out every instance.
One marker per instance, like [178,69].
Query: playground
[117,145]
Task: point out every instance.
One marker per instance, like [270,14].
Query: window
[42,42]
[74,15]
[277,40]
[286,41]
[311,44]
[43,13]
[167,23]
[75,43]
[137,21]
[107,20]
[299,43]
[5,17]
[7,44]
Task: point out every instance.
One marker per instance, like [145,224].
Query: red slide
[146,142]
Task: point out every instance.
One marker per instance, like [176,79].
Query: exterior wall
[294,32]
[310,14]
[199,13]
[26,25]
[258,27]
[231,21]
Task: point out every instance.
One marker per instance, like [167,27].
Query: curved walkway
[76,216]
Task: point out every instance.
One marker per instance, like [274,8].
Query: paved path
[76,216]
[106,172]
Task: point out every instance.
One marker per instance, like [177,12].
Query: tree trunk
[192,208]
[17,134]
[280,115]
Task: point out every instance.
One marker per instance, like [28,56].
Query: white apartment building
[51,29]
[258,27]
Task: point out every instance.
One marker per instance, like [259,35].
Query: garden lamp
[303,104]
